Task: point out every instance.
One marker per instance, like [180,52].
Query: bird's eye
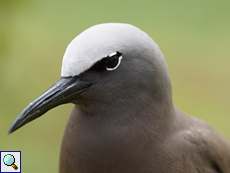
[108,63]
[113,61]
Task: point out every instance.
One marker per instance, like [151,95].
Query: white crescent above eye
[119,61]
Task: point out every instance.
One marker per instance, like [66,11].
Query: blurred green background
[194,37]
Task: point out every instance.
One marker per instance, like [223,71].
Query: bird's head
[107,65]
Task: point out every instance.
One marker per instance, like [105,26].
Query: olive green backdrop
[194,37]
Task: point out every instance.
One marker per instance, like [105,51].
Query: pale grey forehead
[98,42]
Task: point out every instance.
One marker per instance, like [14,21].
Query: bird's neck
[102,140]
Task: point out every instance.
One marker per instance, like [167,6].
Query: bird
[123,118]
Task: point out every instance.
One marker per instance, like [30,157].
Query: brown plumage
[124,120]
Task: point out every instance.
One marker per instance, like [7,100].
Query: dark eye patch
[107,62]
[100,65]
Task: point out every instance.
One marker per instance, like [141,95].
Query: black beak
[65,90]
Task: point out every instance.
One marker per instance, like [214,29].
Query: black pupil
[107,62]
[112,61]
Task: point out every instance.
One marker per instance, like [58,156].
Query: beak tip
[13,127]
[61,92]
[11,130]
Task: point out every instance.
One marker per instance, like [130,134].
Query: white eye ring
[117,55]
[114,68]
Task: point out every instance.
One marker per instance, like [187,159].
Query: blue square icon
[10,161]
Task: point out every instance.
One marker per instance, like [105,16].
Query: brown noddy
[123,119]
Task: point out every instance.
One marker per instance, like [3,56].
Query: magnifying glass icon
[9,160]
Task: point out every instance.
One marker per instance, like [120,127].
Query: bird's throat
[95,143]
